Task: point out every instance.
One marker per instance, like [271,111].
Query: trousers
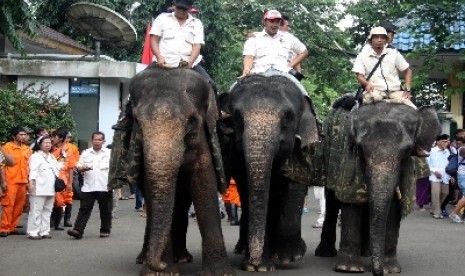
[105,203]
[38,220]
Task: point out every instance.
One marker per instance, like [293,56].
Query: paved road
[428,247]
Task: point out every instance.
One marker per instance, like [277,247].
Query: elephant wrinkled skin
[173,132]
[267,114]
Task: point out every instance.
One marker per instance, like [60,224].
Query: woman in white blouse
[43,167]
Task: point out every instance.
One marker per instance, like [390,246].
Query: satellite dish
[102,24]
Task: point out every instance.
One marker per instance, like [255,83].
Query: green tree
[32,107]
[16,15]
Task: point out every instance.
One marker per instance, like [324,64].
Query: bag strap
[50,165]
[376,66]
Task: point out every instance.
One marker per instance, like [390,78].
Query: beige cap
[377,31]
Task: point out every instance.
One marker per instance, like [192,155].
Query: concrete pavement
[428,247]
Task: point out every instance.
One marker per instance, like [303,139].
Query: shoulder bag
[60,185]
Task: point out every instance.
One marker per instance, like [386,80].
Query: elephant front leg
[287,245]
[348,257]
[391,263]
[205,198]
[327,246]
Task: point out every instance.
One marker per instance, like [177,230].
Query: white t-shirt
[95,180]
[272,51]
[176,41]
[386,76]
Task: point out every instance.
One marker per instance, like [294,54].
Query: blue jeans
[461,183]
[139,198]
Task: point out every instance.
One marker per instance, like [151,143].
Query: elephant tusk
[398,193]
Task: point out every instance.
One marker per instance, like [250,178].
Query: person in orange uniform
[74,160]
[16,179]
[232,201]
[63,154]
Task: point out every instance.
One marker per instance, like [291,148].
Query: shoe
[113,216]
[46,237]
[59,228]
[131,196]
[422,209]
[123,198]
[317,225]
[3,234]
[438,216]
[444,213]
[18,232]
[138,210]
[456,218]
[19,226]
[34,237]
[104,235]
[75,233]
[305,211]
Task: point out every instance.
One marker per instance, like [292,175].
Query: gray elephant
[272,124]
[174,156]
[370,148]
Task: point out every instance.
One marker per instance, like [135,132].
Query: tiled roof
[405,41]
[49,33]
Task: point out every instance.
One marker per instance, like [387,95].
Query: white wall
[58,86]
[109,106]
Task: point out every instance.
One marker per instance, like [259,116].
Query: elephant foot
[325,250]
[147,271]
[240,248]
[289,250]
[391,265]
[263,267]
[348,263]
[141,257]
[183,257]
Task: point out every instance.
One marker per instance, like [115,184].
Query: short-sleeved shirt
[19,172]
[95,180]
[272,51]
[386,76]
[176,41]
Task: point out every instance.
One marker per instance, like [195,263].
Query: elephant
[271,123]
[375,183]
[174,156]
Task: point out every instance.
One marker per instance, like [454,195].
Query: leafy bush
[32,107]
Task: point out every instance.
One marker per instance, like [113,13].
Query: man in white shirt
[439,179]
[94,164]
[176,39]
[385,82]
[272,48]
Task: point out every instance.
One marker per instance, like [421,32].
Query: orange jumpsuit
[231,195]
[67,155]
[16,178]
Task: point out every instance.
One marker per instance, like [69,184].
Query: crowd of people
[444,187]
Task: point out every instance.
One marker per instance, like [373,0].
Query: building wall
[91,112]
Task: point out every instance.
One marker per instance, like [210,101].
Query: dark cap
[390,28]
[186,4]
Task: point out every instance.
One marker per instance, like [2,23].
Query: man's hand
[406,95]
[245,73]
[161,61]
[438,174]
[369,87]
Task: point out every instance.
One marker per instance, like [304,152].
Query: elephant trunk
[163,152]
[259,147]
[383,175]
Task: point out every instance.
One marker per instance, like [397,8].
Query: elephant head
[268,113]
[386,135]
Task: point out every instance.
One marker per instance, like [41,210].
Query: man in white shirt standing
[439,179]
[272,48]
[94,164]
[176,39]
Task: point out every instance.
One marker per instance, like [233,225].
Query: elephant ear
[211,121]
[428,127]
[308,128]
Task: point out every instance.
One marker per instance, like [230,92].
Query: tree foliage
[16,15]
[32,107]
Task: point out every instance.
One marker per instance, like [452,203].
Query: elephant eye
[288,118]
[191,124]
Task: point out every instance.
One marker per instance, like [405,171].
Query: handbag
[361,88]
[60,185]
